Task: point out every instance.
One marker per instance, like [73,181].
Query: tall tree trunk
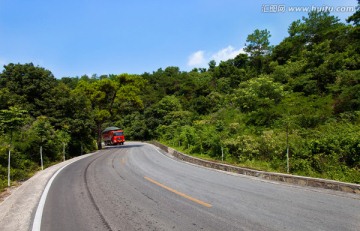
[9,158]
[99,137]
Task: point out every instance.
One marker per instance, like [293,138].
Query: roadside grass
[250,164]
[337,173]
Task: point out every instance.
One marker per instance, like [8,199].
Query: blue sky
[76,37]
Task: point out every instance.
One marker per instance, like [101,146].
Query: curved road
[135,187]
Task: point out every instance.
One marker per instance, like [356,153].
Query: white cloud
[201,58]
[227,53]
[197,59]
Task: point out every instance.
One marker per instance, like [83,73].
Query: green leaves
[355,18]
[43,128]
[317,27]
[63,136]
[257,93]
[111,98]
[12,119]
[305,89]
[347,92]
[27,86]
[101,115]
[258,43]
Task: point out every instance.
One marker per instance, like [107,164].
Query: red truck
[113,136]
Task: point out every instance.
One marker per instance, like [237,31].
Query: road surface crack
[102,218]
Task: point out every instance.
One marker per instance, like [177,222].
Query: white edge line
[39,211]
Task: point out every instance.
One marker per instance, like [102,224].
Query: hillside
[293,107]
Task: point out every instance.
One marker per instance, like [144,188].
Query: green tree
[166,105]
[212,65]
[261,92]
[158,113]
[101,94]
[258,45]
[347,92]
[257,98]
[128,96]
[317,27]
[355,18]
[110,97]
[28,86]
[241,60]
[10,120]
[64,137]
[44,132]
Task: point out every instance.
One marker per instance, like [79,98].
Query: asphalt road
[135,187]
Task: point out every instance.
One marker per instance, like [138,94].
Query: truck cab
[113,137]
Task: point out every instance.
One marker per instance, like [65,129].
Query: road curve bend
[136,187]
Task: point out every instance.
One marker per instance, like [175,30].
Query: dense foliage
[302,95]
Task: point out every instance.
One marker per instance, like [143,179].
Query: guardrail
[292,179]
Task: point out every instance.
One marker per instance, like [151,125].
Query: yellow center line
[179,193]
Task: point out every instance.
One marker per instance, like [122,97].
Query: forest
[292,107]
